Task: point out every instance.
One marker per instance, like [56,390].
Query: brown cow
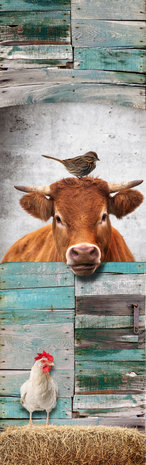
[81,234]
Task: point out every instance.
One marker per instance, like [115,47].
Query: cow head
[80,209]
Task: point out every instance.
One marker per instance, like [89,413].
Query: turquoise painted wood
[97,284]
[31,5]
[41,55]
[95,9]
[109,405]
[32,275]
[94,33]
[94,421]
[110,59]
[49,316]
[39,26]
[11,408]
[84,355]
[45,298]
[103,321]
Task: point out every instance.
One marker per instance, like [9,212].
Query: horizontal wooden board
[96,9]
[31,5]
[45,298]
[94,33]
[23,77]
[33,55]
[11,408]
[114,305]
[38,26]
[104,321]
[110,59]
[23,317]
[110,377]
[100,284]
[84,93]
[86,355]
[11,380]
[34,275]
[131,422]
[109,405]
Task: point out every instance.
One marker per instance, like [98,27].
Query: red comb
[44,354]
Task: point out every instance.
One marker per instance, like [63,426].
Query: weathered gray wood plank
[37,298]
[35,55]
[35,275]
[95,9]
[109,304]
[11,380]
[88,93]
[38,26]
[110,59]
[31,5]
[100,284]
[109,405]
[94,33]
[23,77]
[131,422]
[106,321]
[11,408]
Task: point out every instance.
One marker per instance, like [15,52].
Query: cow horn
[115,187]
[42,189]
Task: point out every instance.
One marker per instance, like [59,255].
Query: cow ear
[125,202]
[36,204]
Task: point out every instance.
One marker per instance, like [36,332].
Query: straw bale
[71,445]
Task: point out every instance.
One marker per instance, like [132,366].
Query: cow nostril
[93,251]
[74,253]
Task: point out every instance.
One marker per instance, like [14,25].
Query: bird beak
[52,364]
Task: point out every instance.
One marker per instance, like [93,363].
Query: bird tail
[52,158]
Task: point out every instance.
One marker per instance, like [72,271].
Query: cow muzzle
[83,258]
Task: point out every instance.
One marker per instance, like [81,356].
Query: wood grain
[109,405]
[94,33]
[115,305]
[110,284]
[31,5]
[94,9]
[11,408]
[110,59]
[45,298]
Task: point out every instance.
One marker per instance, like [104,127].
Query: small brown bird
[79,166]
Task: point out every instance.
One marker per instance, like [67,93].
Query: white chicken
[40,391]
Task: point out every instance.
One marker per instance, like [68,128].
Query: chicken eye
[104,216]
[58,219]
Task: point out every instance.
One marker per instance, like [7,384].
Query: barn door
[109,346]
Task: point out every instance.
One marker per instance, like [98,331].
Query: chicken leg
[30,419]
[47,419]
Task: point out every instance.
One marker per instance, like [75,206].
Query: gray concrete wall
[65,130]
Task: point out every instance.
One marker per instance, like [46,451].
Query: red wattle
[46,369]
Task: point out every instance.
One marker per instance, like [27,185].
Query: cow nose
[83,253]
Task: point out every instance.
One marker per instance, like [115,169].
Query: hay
[71,445]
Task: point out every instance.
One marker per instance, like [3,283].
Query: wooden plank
[27,340]
[35,55]
[11,408]
[95,355]
[31,5]
[38,26]
[84,93]
[131,422]
[109,377]
[104,321]
[109,405]
[34,275]
[95,9]
[94,33]
[23,77]
[49,316]
[100,284]
[115,305]
[110,59]
[11,380]
[42,298]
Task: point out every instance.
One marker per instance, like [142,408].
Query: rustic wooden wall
[88,325]
[76,50]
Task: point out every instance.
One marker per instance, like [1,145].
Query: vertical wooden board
[33,275]
[11,408]
[96,9]
[31,5]
[110,59]
[46,298]
[94,33]
[99,284]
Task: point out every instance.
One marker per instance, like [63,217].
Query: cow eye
[58,219]
[104,216]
